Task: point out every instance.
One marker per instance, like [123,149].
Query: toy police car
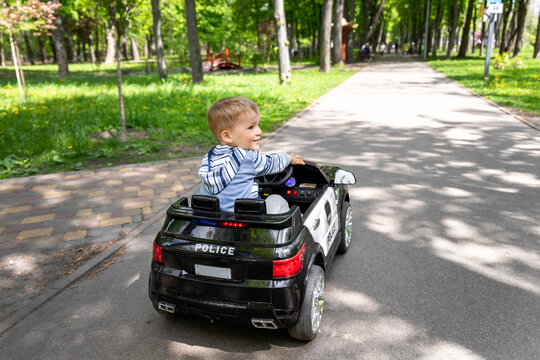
[264,270]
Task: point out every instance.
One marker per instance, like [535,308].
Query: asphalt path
[445,260]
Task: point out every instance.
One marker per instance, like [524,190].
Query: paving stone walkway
[79,208]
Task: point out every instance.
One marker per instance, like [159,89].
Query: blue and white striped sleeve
[270,164]
[224,167]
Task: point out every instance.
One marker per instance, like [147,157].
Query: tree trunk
[111,46]
[60,44]
[521,16]
[337,53]
[349,58]
[324,43]
[380,36]
[135,49]
[125,52]
[466,29]
[193,42]
[365,21]
[375,21]
[436,26]
[290,37]
[53,48]
[512,32]
[452,34]
[17,64]
[536,53]
[92,49]
[29,51]
[96,42]
[123,131]
[158,42]
[283,48]
[2,50]
[71,45]
[482,34]
[473,45]
[42,51]
[504,23]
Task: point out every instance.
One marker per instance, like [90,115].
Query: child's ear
[226,136]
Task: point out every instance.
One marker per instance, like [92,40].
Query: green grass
[55,130]
[512,87]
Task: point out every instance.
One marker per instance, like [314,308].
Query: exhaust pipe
[166,307]
[264,323]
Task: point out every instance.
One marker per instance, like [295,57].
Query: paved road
[445,262]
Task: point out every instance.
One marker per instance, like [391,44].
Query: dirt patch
[23,277]
[106,263]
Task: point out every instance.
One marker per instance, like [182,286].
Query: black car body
[249,266]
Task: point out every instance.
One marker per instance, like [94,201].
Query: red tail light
[157,253]
[231,224]
[288,267]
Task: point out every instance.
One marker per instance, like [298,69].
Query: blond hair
[223,113]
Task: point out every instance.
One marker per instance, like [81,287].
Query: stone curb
[61,284]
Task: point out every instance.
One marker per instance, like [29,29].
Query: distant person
[389,47]
[366,52]
[396,47]
[381,50]
[405,48]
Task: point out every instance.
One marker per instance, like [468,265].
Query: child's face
[245,132]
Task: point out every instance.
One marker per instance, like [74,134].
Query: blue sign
[489,2]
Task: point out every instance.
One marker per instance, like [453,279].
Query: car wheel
[346,228]
[311,311]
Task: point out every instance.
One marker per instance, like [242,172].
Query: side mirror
[344,177]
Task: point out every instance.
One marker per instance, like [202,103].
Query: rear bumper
[278,300]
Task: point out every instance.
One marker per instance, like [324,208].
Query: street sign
[494,8]
[489,2]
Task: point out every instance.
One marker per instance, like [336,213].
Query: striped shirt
[229,172]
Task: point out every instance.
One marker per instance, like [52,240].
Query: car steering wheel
[276,179]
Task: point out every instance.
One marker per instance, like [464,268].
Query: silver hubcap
[348,227]
[318,304]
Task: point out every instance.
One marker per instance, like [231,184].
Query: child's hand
[296,159]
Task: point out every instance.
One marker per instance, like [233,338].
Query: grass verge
[515,86]
[73,124]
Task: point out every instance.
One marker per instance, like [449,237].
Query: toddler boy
[228,170]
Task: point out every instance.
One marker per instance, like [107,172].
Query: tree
[337,57]
[437,30]
[522,6]
[158,42]
[505,39]
[283,43]
[452,35]
[59,43]
[120,12]
[536,53]
[375,22]
[324,46]
[350,38]
[466,29]
[32,15]
[193,42]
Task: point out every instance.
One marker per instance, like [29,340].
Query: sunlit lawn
[56,129]
[513,87]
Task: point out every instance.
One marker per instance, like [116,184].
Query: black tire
[346,228]
[311,311]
